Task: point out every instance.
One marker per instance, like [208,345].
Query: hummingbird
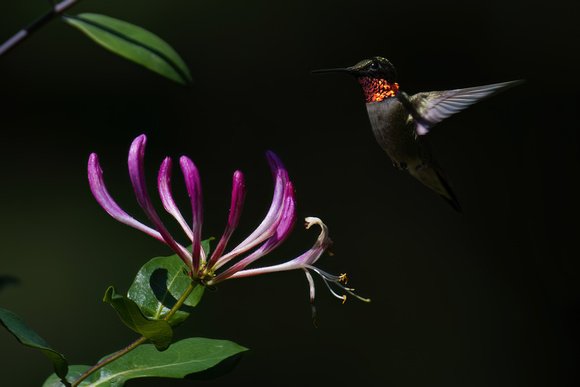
[400,121]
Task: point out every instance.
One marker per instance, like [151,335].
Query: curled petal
[238,194]
[193,185]
[304,261]
[164,184]
[280,176]
[106,201]
[137,174]
[323,242]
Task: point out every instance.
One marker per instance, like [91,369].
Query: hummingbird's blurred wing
[434,106]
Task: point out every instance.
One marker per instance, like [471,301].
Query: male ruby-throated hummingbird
[400,121]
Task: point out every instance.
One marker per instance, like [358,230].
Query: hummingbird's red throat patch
[378,89]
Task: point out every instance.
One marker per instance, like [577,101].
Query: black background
[486,298]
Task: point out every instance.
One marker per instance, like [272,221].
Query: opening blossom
[274,229]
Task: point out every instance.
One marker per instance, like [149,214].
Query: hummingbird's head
[376,75]
[376,68]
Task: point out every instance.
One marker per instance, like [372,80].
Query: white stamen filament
[327,277]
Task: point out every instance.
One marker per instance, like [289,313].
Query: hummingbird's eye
[375,65]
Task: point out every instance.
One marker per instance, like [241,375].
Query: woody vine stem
[56,10]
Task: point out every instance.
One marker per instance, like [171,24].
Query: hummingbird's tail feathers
[450,198]
[454,204]
[431,174]
[433,107]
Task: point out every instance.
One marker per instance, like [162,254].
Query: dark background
[488,298]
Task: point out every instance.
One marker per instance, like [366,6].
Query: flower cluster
[274,229]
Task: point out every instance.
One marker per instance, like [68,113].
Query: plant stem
[23,34]
[108,360]
[137,342]
[180,301]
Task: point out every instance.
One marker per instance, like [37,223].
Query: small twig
[23,34]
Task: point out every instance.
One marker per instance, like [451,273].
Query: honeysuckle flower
[272,231]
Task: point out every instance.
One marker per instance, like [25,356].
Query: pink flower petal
[164,184]
[286,225]
[193,185]
[238,194]
[137,174]
[106,201]
[270,223]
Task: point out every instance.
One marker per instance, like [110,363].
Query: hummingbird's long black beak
[339,70]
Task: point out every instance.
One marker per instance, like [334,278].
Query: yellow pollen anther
[343,299]
[343,278]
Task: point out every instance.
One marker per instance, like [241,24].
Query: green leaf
[133,43]
[160,283]
[181,359]
[158,331]
[205,245]
[28,337]
[75,371]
